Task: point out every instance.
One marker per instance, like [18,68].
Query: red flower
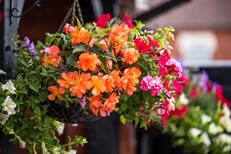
[141,45]
[162,62]
[103,20]
[193,92]
[152,43]
[179,112]
[164,113]
[128,21]
[177,86]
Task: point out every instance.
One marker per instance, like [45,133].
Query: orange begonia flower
[52,58]
[80,84]
[65,79]
[97,106]
[130,78]
[119,35]
[116,77]
[109,83]
[79,36]
[98,84]
[56,92]
[87,61]
[111,102]
[130,55]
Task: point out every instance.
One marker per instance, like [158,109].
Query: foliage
[105,66]
[201,122]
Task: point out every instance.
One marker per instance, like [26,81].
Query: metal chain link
[79,12]
[72,11]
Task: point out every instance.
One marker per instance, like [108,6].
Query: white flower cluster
[8,106]
[214,129]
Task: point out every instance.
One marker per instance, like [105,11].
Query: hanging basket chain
[72,12]
[80,12]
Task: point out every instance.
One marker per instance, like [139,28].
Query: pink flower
[173,65]
[151,83]
[156,89]
[147,83]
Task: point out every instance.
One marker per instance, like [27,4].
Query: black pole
[8,26]
[159,9]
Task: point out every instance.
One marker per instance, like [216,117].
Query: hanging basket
[72,114]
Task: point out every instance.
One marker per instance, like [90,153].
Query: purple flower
[29,46]
[82,102]
[26,41]
[46,50]
[32,50]
[108,113]
[204,79]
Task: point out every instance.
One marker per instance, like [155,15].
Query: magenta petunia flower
[151,83]
[147,83]
[156,89]
[173,65]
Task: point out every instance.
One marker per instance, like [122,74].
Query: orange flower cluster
[118,36]
[50,56]
[79,36]
[80,84]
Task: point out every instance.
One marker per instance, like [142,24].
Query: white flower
[205,139]
[183,99]
[214,129]
[205,119]
[225,119]
[3,118]
[195,132]
[9,86]
[8,105]
[2,72]
[22,144]
[59,126]
[71,152]
[44,149]
[171,105]
[224,139]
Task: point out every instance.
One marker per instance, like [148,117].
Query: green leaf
[79,23]
[79,48]
[122,119]
[33,86]
[71,60]
[22,90]
[43,96]
[139,24]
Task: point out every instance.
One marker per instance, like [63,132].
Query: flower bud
[109,63]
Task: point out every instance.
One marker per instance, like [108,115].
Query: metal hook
[12,10]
